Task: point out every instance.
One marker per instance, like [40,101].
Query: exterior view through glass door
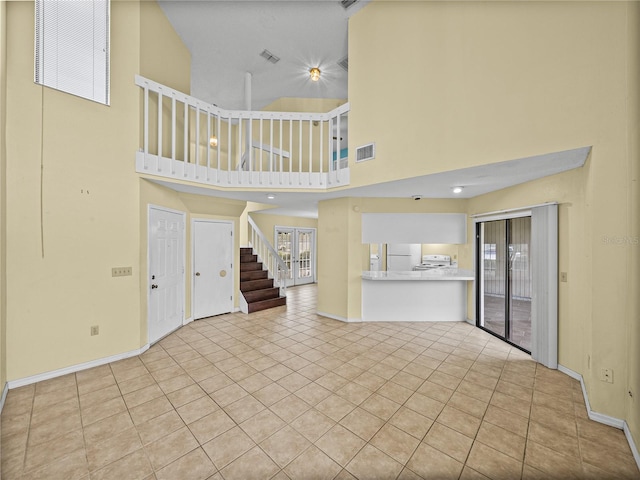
[296,246]
[504,279]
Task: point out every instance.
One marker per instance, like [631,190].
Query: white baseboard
[339,318]
[602,418]
[187,321]
[21,382]
[632,444]
[5,390]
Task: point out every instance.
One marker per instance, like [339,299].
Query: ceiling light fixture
[213,141]
[457,190]
[315,74]
[271,196]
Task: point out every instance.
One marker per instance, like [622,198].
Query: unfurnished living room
[317,239]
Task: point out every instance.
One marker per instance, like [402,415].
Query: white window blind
[544,275]
[72,47]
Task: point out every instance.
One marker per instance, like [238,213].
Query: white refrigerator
[402,257]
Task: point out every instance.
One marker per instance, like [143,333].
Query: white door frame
[294,244]
[193,260]
[184,253]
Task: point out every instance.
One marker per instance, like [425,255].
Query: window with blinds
[72,47]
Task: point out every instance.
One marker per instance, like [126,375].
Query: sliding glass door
[504,279]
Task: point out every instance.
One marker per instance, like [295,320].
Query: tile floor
[288,394]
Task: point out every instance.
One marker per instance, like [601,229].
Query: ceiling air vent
[347,3]
[344,63]
[365,152]
[269,56]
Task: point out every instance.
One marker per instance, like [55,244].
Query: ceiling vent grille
[366,152]
[347,3]
[269,56]
[344,63]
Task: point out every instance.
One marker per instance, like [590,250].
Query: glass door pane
[520,282]
[504,279]
[304,264]
[493,274]
[284,246]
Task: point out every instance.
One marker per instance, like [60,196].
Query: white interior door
[166,272]
[296,246]
[212,268]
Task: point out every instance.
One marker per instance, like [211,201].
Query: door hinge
[230,297]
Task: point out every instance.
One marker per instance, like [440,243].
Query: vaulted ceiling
[226,38]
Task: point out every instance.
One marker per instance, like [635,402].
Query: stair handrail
[275,264]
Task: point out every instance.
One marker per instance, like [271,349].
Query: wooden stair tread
[262,294]
[250,285]
[265,304]
[253,275]
[249,266]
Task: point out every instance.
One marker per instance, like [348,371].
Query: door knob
[223,273]
[154,286]
[197,274]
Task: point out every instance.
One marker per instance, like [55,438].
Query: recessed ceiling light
[271,196]
[314,73]
[457,189]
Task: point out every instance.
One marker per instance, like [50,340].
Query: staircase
[257,288]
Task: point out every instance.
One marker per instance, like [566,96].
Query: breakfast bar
[438,295]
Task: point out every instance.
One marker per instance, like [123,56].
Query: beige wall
[62,250]
[487,86]
[3,189]
[633,272]
[333,247]
[163,56]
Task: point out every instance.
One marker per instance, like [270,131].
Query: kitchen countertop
[421,275]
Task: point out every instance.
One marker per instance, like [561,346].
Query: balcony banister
[200,142]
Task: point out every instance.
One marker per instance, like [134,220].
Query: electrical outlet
[563,276]
[121,271]
[606,375]
[95,330]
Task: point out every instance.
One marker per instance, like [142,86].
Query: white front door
[166,272]
[296,246]
[212,268]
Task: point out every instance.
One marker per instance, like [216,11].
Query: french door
[504,279]
[296,246]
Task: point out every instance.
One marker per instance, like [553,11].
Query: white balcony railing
[187,139]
